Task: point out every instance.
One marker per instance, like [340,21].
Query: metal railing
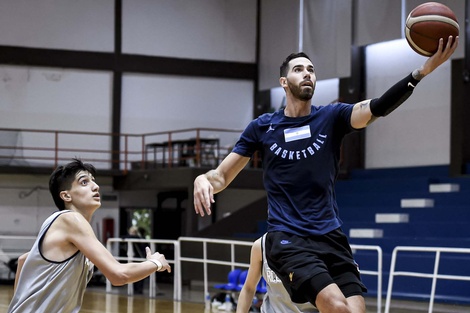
[113,246]
[205,260]
[176,268]
[378,272]
[233,263]
[11,247]
[49,148]
[434,276]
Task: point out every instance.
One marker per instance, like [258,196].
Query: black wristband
[393,97]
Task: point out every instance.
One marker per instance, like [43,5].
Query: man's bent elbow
[118,279]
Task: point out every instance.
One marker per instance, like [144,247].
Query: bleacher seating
[262,286]
[439,221]
[232,281]
[241,280]
[368,193]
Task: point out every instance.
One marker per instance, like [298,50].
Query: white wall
[24,209]
[56,99]
[153,103]
[27,202]
[418,132]
[201,29]
[65,24]
[47,98]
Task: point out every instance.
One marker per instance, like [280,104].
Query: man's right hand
[203,195]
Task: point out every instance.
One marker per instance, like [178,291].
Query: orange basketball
[427,23]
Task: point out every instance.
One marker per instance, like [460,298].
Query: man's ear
[283,82]
[64,195]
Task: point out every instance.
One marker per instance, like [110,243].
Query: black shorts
[297,260]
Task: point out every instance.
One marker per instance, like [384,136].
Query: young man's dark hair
[63,176]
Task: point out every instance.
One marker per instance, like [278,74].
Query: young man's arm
[75,229]
[21,260]
[367,111]
[214,181]
[248,291]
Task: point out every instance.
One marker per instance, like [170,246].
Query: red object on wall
[108,229]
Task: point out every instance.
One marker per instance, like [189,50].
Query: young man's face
[301,79]
[84,192]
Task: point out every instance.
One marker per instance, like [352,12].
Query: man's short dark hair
[285,64]
[63,176]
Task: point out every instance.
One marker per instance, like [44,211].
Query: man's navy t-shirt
[300,157]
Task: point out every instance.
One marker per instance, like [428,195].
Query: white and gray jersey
[48,286]
[276,299]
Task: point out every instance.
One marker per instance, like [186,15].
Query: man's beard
[300,93]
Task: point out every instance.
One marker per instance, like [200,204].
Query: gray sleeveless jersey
[51,287]
[277,300]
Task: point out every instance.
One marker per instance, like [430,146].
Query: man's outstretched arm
[367,111]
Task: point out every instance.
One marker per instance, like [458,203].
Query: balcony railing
[194,147]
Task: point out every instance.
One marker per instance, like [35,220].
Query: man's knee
[331,299]
[322,292]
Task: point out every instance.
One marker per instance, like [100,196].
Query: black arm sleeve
[393,97]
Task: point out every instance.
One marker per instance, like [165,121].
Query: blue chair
[232,283]
[241,280]
[261,288]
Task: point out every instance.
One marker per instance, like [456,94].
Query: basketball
[426,24]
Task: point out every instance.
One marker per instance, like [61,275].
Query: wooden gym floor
[96,300]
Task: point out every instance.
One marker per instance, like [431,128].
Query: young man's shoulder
[71,220]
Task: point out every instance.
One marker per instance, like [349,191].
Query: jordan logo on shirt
[271,128]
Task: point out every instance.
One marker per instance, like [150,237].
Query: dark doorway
[169,216]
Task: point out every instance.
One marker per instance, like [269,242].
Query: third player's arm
[248,291]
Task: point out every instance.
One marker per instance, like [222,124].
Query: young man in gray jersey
[53,275]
